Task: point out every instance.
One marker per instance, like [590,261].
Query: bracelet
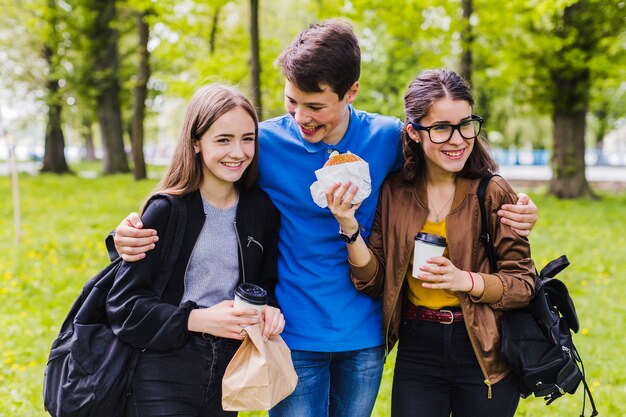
[472,278]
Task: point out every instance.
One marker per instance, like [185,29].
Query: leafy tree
[561,43]
[467,39]
[99,27]
[255,63]
[54,156]
[32,51]
[140,91]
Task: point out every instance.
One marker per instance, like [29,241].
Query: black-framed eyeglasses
[441,133]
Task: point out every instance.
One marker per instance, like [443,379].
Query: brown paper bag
[260,374]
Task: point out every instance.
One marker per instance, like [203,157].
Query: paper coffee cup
[427,246]
[250,296]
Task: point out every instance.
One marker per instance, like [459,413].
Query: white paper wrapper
[356,172]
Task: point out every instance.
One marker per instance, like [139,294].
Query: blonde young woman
[190,333]
[445,318]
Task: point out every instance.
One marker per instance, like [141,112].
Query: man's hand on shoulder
[131,240]
[521,217]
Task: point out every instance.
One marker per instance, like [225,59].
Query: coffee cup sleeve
[356,172]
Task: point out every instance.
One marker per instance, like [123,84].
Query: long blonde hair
[208,104]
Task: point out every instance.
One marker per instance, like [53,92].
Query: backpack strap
[172,241]
[554,267]
[485,237]
[594,410]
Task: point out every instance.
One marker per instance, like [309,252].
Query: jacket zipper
[251,240]
[470,334]
[389,324]
[395,303]
[478,358]
[243,268]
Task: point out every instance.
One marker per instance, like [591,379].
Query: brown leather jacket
[401,213]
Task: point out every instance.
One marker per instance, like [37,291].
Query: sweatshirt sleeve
[135,310]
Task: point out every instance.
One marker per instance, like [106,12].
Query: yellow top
[426,297]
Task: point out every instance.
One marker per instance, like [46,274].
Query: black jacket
[143,319]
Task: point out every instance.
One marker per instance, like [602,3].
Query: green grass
[65,219]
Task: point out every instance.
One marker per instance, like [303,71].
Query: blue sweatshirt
[323,311]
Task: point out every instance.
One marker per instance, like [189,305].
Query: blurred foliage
[193,42]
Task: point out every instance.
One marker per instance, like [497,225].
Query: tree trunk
[467,39]
[602,114]
[107,101]
[570,102]
[569,118]
[139,100]
[54,153]
[255,63]
[568,159]
[87,134]
[214,25]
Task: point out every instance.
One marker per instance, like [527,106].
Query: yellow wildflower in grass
[32,364]
[7,276]
[584,331]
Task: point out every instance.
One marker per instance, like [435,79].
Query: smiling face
[445,159]
[227,148]
[321,116]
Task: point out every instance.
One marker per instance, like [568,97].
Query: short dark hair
[325,53]
[428,87]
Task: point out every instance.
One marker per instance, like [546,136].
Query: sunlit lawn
[65,219]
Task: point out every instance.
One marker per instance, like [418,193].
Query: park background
[92,94]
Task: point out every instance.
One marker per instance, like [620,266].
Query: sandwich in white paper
[342,168]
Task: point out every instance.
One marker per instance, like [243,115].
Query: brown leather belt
[443,316]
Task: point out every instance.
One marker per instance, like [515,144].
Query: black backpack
[89,370]
[537,340]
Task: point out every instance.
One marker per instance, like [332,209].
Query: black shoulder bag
[89,370]
[537,340]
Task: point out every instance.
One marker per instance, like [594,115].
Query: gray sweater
[213,269]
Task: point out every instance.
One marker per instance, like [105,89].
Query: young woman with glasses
[445,315]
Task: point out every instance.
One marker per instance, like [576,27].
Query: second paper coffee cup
[427,245]
[250,296]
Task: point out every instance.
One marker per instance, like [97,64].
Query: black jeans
[437,374]
[183,382]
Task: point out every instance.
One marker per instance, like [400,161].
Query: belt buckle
[451,317]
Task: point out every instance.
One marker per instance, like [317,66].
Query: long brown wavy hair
[207,105]
[428,87]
